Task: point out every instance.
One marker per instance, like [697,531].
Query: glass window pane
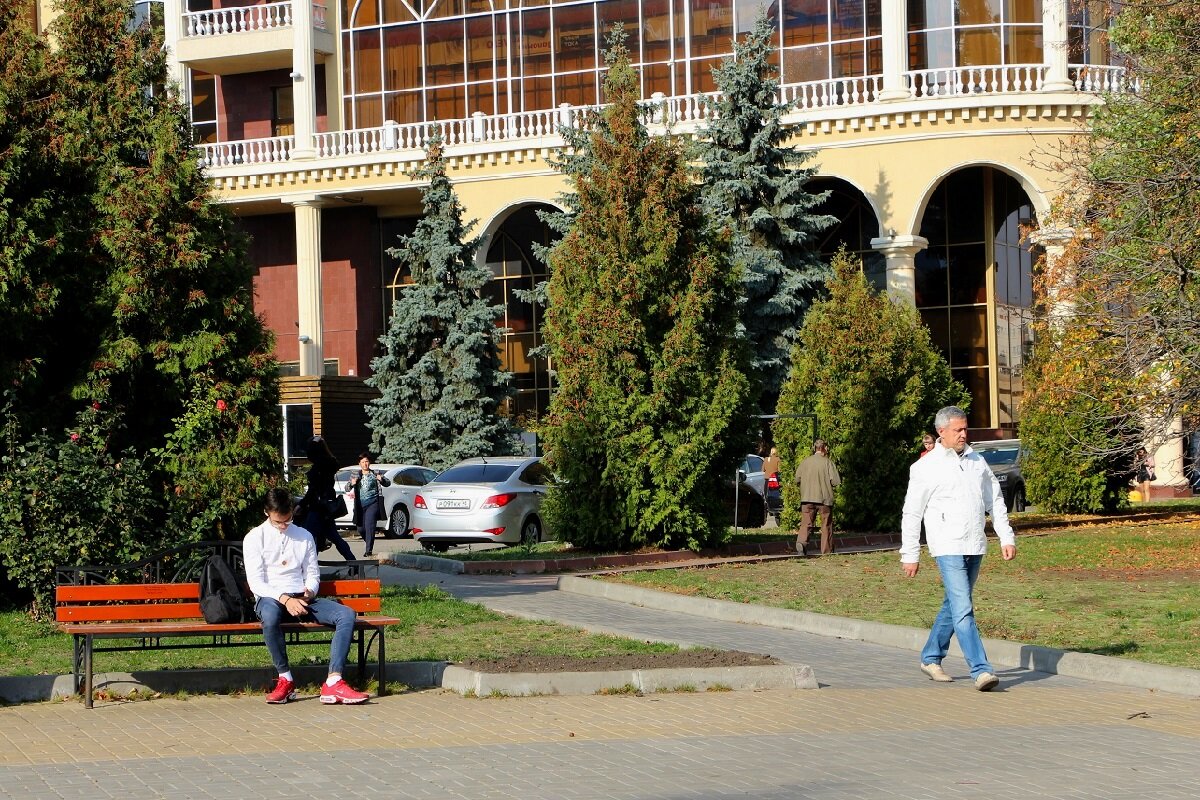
[535,44]
[442,9]
[968,337]
[702,77]
[712,28]
[968,273]
[927,14]
[610,12]
[978,47]
[578,89]
[977,12]
[403,107]
[1024,10]
[848,60]
[932,50]
[402,57]
[848,20]
[368,112]
[931,271]
[805,22]
[574,38]
[486,52]
[806,64]
[366,62]
[536,93]
[938,322]
[1023,45]
[447,102]
[481,97]
[396,11]
[656,30]
[444,53]
[366,13]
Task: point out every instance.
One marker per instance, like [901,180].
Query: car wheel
[398,524]
[1018,500]
[531,532]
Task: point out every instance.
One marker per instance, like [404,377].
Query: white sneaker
[936,673]
[986,682]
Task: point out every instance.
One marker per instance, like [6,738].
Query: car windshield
[477,473]
[1000,457]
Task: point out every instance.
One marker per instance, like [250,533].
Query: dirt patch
[682,658]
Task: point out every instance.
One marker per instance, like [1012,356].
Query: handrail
[955,81]
[247,151]
[241,19]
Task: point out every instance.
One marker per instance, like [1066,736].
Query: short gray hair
[945,415]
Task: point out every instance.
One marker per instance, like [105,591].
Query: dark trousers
[366,526]
[323,527]
[807,510]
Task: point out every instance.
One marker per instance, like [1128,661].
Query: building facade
[937,127]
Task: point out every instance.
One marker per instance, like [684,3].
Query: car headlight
[1002,478]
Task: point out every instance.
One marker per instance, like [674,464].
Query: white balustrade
[479,127]
[247,151]
[270,16]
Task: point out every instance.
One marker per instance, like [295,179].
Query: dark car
[1003,456]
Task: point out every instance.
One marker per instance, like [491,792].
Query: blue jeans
[957,615]
[327,612]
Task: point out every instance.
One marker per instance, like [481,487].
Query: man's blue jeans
[957,615]
[327,612]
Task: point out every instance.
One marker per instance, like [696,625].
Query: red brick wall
[244,102]
[352,301]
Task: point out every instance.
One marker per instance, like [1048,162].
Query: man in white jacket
[952,490]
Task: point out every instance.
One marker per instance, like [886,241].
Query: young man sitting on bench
[281,568]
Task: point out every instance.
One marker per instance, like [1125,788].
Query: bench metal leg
[382,665]
[87,671]
[362,654]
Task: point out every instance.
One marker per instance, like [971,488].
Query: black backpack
[221,595]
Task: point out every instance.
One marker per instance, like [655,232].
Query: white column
[172,31]
[1054,46]
[901,254]
[895,50]
[304,67]
[311,331]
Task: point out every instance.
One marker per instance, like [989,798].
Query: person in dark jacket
[320,497]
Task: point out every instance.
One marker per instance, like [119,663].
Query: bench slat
[129,611]
[166,629]
[127,591]
[346,588]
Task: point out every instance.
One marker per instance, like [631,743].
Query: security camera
[304,339]
[295,75]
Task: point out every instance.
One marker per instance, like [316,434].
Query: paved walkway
[876,729]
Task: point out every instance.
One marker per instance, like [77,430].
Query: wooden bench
[149,613]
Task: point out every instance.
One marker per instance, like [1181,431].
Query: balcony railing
[248,151]
[269,16]
[841,92]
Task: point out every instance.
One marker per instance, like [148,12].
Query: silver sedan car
[482,500]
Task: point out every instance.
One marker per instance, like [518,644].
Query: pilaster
[901,253]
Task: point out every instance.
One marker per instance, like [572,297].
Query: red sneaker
[341,692]
[284,690]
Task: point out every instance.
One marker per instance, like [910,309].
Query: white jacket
[951,494]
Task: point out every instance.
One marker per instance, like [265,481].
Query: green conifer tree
[140,350]
[440,381]
[754,187]
[643,430]
[867,378]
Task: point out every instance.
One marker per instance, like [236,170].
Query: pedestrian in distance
[951,491]
[927,443]
[368,501]
[282,571]
[321,503]
[1143,469]
[817,476]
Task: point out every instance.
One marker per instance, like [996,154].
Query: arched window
[855,227]
[974,288]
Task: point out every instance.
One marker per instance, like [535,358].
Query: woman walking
[321,502]
[368,501]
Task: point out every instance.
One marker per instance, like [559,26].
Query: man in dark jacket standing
[816,476]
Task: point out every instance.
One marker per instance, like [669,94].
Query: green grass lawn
[1119,589]
[435,627]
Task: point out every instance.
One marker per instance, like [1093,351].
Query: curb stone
[1110,669]
[522,684]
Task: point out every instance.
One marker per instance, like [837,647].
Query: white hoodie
[951,494]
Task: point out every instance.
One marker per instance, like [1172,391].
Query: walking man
[951,490]
[816,476]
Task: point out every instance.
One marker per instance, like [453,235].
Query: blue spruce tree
[754,191]
[441,385]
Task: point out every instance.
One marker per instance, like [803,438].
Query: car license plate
[453,503]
